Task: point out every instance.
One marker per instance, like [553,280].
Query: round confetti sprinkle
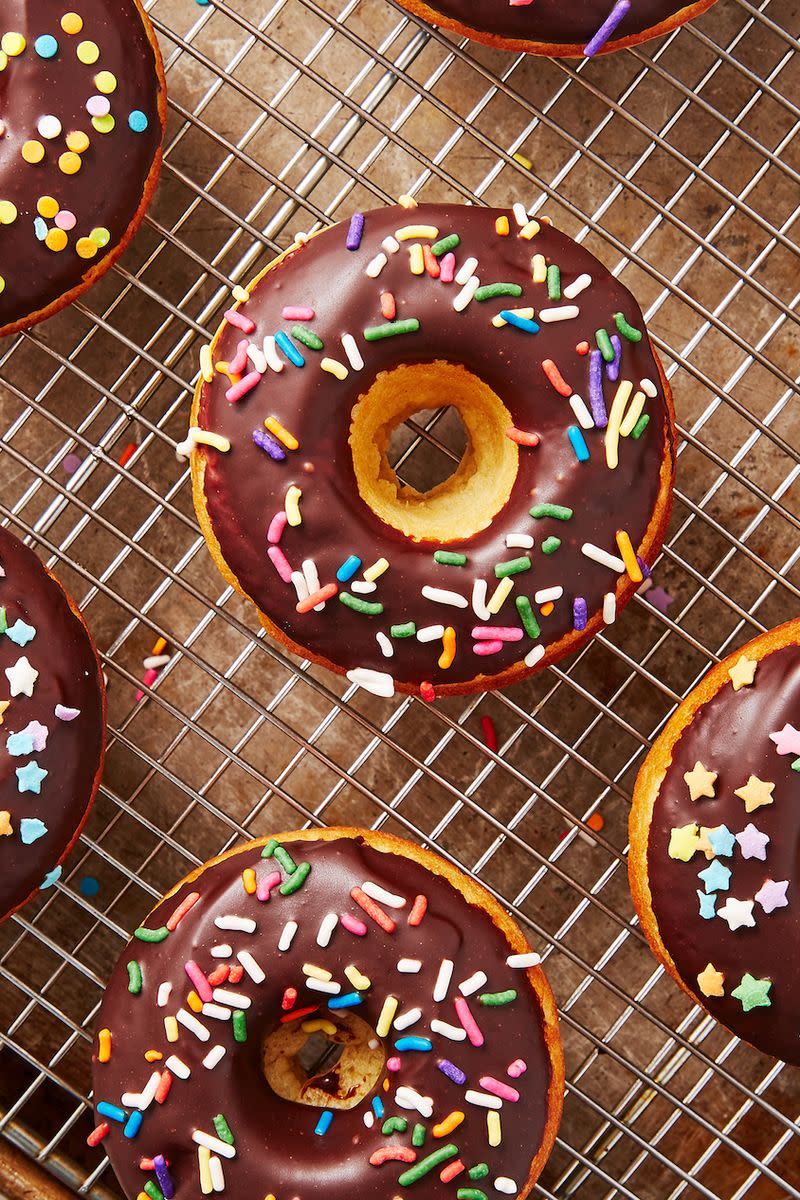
[71,23]
[98,106]
[66,219]
[78,141]
[86,248]
[2,285]
[88,886]
[49,127]
[100,236]
[33,152]
[46,46]
[13,44]
[105,82]
[40,228]
[8,212]
[70,163]
[104,124]
[138,121]
[70,464]
[47,207]
[56,240]
[88,52]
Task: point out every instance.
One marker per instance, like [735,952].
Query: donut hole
[466,502]
[332,1067]
[426,449]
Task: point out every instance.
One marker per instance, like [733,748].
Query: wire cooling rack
[677,162]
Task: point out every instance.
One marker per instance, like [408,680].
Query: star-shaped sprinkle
[716,877]
[708,904]
[29,777]
[66,714]
[752,842]
[683,842]
[703,844]
[755,793]
[721,840]
[19,744]
[21,633]
[710,981]
[753,993]
[772,894]
[700,781]
[737,913]
[51,877]
[38,733]
[31,829]
[5,823]
[743,672]
[3,706]
[659,599]
[787,740]
[22,677]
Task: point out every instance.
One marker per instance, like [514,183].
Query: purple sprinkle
[270,444]
[355,232]
[163,1176]
[596,399]
[452,1071]
[579,613]
[607,28]
[612,368]
[643,567]
[70,464]
[66,714]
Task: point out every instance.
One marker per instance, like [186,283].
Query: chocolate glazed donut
[82,115]
[288,942]
[715,843]
[532,545]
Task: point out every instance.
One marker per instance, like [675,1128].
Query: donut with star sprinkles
[52,724]
[552,518]
[715,843]
[556,29]
[81,125]
[332,1011]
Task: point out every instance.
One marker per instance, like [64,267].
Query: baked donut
[330,1011]
[82,115]
[715,843]
[549,521]
[52,724]
[559,30]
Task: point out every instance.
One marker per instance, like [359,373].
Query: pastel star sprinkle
[753,993]
[38,734]
[772,894]
[710,981]
[31,829]
[721,840]
[659,598]
[716,877]
[21,633]
[22,677]
[3,706]
[787,740]
[19,744]
[743,672]
[752,842]
[51,877]
[755,793]
[708,904]
[29,777]
[737,913]
[700,781]
[684,842]
[5,823]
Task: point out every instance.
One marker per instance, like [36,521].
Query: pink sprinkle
[280,563]
[486,647]
[239,321]
[242,387]
[393,1063]
[447,268]
[497,633]
[498,1088]
[238,364]
[183,908]
[150,676]
[298,313]
[201,984]
[353,925]
[468,1021]
[266,885]
[517,1067]
[98,106]
[66,220]
[276,527]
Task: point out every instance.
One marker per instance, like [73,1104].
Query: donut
[331,1012]
[715,843]
[559,30]
[553,516]
[81,126]
[52,724]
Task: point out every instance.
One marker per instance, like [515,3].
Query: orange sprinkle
[315,598]
[127,454]
[448,648]
[190,901]
[194,1002]
[555,378]
[431,262]
[388,306]
[521,437]
[596,822]
[104,1045]
[235,973]
[582,347]
[418,910]
[153,1056]
[629,556]
[450,1122]
[159,647]
[547,608]
[451,1170]
[501,226]
[249,881]
[298,1013]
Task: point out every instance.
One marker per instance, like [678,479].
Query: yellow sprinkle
[334,367]
[33,152]
[387,1016]
[71,22]
[448,648]
[416,260]
[206,364]
[615,420]
[451,1122]
[70,163]
[632,415]
[2,285]
[8,212]
[47,207]
[428,233]
[500,594]
[224,369]
[249,881]
[77,141]
[13,44]
[143,1196]
[104,1045]
[204,1163]
[283,435]
[319,1026]
[85,248]
[360,982]
[88,53]
[171,1029]
[539,267]
[194,1002]
[105,82]
[240,294]
[315,972]
[406,201]
[628,556]
[501,226]
[292,505]
[159,647]
[100,236]
[527,313]
[153,1056]
[106,124]
[56,240]
[376,570]
[523,161]
[493,1127]
[530,230]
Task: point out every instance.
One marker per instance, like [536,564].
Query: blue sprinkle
[350,1000]
[265,441]
[40,228]
[324,1122]
[452,1072]
[708,905]
[29,779]
[289,349]
[19,744]
[46,46]
[413,1043]
[377,1107]
[133,1124]
[519,322]
[89,886]
[104,1109]
[716,877]
[348,568]
[51,877]
[138,121]
[31,829]
[721,841]
[21,633]
[578,443]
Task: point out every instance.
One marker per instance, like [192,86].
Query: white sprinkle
[443,980]
[251,966]
[155,662]
[376,265]
[577,286]
[213,1144]
[520,214]
[523,961]
[479,590]
[311,577]
[288,932]
[407,1019]
[454,1032]
[409,966]
[216,1173]
[206,364]
[271,354]
[473,983]
[258,358]
[578,406]
[390,244]
[408,1098]
[363,586]
[466,294]
[504,1184]
[565,312]
[233,999]
[465,271]
[649,388]
[601,556]
[300,585]
[191,1023]
[442,596]
[177,1066]
[609,608]
[240,924]
[533,656]
[322,985]
[547,595]
[163,994]
[215,1055]
[216,1011]
[482,1099]
[387,649]
[326,928]
[382,896]
[377,682]
[352,352]
[519,541]
[144,1099]
[430,633]
[373,1043]
[369,1118]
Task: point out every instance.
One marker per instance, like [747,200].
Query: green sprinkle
[270,848]
[513,567]
[450,558]
[553,282]
[223,1129]
[604,346]
[796,765]
[239,1022]
[307,337]
[627,331]
[479,1171]
[559,512]
[285,859]
[526,615]
[418,1136]
[134,977]
[401,631]
[391,329]
[444,244]
[421,1168]
[394,1125]
[3,621]
[295,881]
[640,426]
[153,1190]
[471,1194]
[490,290]
[550,545]
[151,935]
[359,605]
[495,1000]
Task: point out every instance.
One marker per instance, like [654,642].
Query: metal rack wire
[678,164]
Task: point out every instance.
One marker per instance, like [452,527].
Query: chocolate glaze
[69,674]
[730,735]
[107,191]
[276,1149]
[244,488]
